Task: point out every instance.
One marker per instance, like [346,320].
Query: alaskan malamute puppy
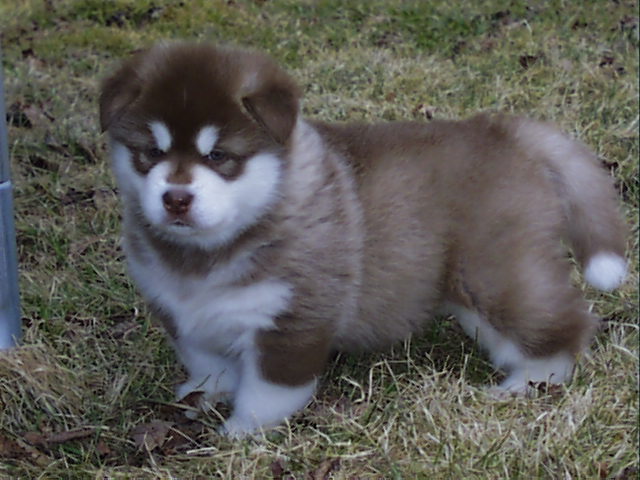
[265,242]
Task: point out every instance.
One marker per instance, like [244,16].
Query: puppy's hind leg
[532,324]
[507,355]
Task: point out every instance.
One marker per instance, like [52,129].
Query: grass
[94,373]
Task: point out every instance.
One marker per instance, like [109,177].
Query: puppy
[264,242]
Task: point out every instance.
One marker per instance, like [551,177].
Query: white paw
[259,404]
[238,427]
[204,400]
[501,394]
[554,370]
[213,375]
[213,389]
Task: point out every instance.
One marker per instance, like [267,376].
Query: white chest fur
[211,310]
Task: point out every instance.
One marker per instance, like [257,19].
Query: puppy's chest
[215,309]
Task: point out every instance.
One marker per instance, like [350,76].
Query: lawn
[90,392]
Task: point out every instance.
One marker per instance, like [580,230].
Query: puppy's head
[197,137]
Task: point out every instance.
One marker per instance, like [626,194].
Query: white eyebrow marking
[206,139]
[161,135]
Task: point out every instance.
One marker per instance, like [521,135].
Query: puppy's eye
[155,153]
[224,163]
[216,156]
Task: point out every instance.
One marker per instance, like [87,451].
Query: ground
[89,393]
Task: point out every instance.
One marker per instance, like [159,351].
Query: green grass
[93,358]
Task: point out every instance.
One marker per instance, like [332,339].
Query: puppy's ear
[272,100]
[118,92]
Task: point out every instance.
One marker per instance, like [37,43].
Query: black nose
[177,201]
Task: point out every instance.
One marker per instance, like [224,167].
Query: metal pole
[10,330]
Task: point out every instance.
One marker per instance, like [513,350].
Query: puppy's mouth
[178,225]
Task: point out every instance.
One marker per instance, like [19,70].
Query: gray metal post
[10,330]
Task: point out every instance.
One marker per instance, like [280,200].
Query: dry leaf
[103,449]
[151,435]
[325,468]
[528,60]
[9,448]
[183,436]
[44,439]
[14,450]
[277,469]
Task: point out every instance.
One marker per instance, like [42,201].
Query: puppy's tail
[594,226]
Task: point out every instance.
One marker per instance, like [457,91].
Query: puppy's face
[197,138]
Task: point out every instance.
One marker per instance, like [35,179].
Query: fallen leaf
[14,450]
[44,439]
[34,438]
[151,435]
[527,61]
[277,469]
[103,449]
[325,468]
[183,437]
[9,448]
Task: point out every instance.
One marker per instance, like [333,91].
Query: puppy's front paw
[238,427]
[211,391]
[196,395]
[499,393]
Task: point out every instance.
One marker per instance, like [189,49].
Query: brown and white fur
[265,242]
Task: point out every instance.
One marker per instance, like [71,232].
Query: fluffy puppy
[264,242]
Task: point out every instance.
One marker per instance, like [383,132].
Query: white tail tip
[606,271]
